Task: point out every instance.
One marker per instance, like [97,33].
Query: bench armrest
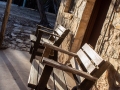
[45,28]
[59,49]
[48,33]
[63,67]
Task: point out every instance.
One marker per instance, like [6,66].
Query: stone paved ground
[22,22]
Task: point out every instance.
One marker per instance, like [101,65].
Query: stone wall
[76,21]
[108,45]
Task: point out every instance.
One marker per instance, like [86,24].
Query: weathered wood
[45,73]
[40,26]
[86,61]
[49,33]
[52,40]
[46,53]
[69,79]
[36,45]
[59,32]
[60,81]
[57,65]
[59,49]
[87,84]
[46,40]
[82,83]
[5,19]
[34,72]
[43,81]
[61,28]
[77,66]
[60,40]
[92,54]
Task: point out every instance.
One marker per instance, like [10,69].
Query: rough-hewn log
[5,19]
[57,65]
[59,49]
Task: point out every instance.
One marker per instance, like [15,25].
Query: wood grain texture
[34,72]
[92,54]
[59,49]
[67,68]
[85,61]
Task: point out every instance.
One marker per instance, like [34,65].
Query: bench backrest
[60,31]
[89,61]
[86,60]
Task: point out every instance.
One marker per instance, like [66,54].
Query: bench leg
[36,45]
[44,78]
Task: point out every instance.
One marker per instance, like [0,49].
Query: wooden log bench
[86,67]
[55,38]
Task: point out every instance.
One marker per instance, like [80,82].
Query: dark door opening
[96,22]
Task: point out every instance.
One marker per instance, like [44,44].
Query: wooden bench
[55,38]
[87,67]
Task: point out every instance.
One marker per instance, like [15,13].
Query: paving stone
[27,42]
[13,35]
[13,46]
[21,45]
[9,45]
[28,49]
[23,33]
[17,25]
[28,45]
[13,42]
[19,40]
[24,49]
[27,31]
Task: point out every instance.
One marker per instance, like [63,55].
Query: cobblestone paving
[22,22]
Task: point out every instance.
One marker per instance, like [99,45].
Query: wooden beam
[59,49]
[57,65]
[45,73]
[5,19]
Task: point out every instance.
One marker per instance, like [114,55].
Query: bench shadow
[113,78]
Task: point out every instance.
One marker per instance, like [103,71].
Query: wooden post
[5,19]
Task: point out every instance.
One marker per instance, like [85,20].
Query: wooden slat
[67,68]
[61,28]
[69,79]
[60,81]
[46,72]
[76,66]
[46,40]
[50,83]
[35,74]
[85,61]
[48,33]
[92,54]
[45,27]
[86,84]
[33,77]
[58,31]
